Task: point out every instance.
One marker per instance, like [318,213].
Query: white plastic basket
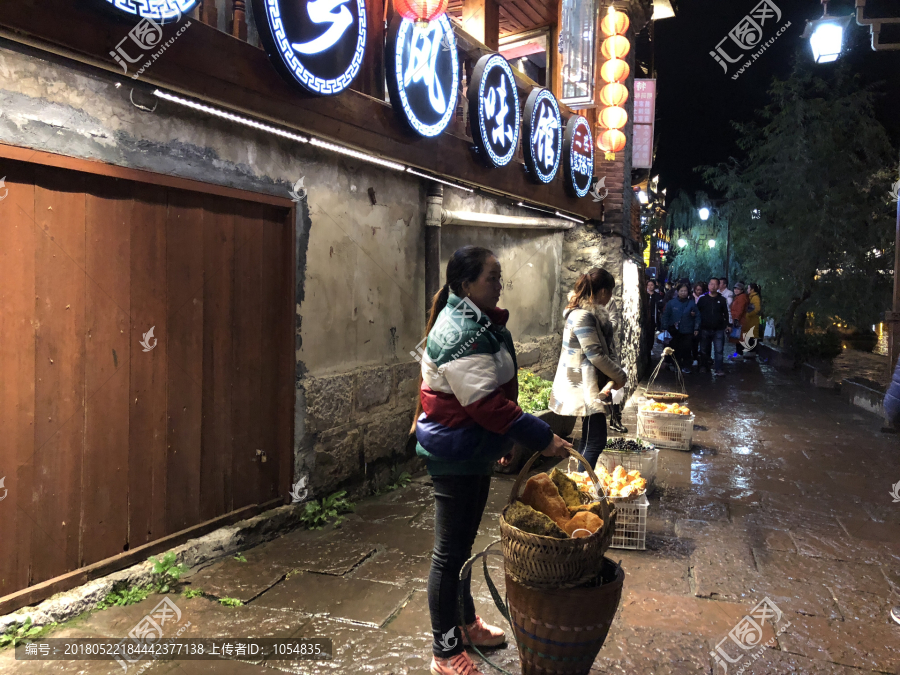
[666,430]
[631,524]
[645,462]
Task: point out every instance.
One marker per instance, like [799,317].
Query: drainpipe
[434,202]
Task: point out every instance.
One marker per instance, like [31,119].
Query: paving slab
[631,650]
[335,552]
[394,567]
[833,573]
[857,644]
[233,579]
[397,536]
[669,574]
[359,600]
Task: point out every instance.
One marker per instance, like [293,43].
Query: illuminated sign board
[159,10]
[423,73]
[494,110]
[543,135]
[318,43]
[578,156]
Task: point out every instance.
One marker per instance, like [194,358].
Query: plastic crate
[645,462]
[631,524]
[666,430]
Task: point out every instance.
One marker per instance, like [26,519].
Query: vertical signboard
[578,156]
[644,120]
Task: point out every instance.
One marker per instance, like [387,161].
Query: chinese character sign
[578,156]
[161,10]
[543,135]
[423,67]
[318,43]
[494,110]
[644,120]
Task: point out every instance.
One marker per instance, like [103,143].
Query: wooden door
[112,437]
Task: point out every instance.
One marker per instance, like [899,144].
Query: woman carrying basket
[467,419]
[588,358]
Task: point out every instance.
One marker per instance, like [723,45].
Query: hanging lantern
[615,47]
[611,141]
[614,23]
[614,94]
[613,117]
[615,70]
[421,11]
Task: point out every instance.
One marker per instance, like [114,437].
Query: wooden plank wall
[107,446]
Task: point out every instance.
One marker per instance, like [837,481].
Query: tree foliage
[696,261]
[809,204]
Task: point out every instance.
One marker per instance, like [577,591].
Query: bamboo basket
[561,631]
[541,562]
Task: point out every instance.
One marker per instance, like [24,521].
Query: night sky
[698,100]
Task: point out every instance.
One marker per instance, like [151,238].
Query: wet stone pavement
[785,496]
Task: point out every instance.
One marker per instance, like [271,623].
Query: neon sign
[543,135]
[423,73]
[161,10]
[578,156]
[318,43]
[494,110]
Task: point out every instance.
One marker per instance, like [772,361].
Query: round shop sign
[494,110]
[318,43]
[543,135]
[156,10]
[423,73]
[578,156]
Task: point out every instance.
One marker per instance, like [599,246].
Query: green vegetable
[534,392]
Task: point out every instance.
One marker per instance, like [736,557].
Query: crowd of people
[698,321]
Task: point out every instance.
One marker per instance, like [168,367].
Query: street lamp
[682,243]
[642,197]
[711,243]
[704,213]
[826,36]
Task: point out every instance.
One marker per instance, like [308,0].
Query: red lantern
[614,23]
[615,70]
[421,11]
[613,117]
[611,141]
[614,94]
[615,47]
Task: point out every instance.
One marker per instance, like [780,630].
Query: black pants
[593,438]
[681,343]
[459,504]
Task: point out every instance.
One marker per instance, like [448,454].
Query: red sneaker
[482,634]
[461,664]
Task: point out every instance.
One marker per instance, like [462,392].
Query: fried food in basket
[673,408]
[621,483]
[527,519]
[584,520]
[568,488]
[542,495]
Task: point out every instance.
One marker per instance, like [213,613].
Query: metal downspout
[434,202]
